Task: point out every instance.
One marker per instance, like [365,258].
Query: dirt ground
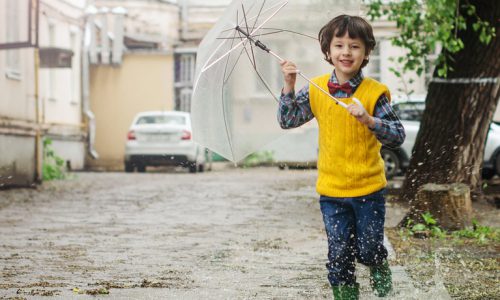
[467,265]
[227,234]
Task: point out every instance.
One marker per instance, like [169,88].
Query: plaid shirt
[295,110]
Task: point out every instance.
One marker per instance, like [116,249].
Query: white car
[162,138]
[410,113]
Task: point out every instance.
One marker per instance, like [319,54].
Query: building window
[12,57]
[184,79]
[185,68]
[372,69]
[185,99]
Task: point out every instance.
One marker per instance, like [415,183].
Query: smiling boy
[351,179]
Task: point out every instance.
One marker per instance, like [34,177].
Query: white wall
[17,102]
[60,88]
[153,20]
[61,26]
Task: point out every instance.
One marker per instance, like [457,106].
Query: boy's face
[347,55]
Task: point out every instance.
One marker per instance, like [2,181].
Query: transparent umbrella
[238,78]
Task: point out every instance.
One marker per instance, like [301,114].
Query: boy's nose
[346,51]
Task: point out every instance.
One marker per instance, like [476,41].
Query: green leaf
[442,72]
[436,231]
[428,219]
[419,227]
[471,10]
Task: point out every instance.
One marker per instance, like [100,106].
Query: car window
[410,111]
[162,119]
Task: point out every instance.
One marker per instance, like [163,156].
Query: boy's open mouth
[346,62]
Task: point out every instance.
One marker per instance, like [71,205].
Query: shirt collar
[353,82]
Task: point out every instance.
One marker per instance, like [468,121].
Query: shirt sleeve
[388,128]
[294,109]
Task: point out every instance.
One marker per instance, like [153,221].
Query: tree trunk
[450,204]
[450,143]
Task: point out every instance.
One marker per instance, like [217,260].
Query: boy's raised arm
[294,109]
[289,70]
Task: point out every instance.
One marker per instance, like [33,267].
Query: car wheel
[497,164]
[201,168]
[193,167]
[487,174]
[282,166]
[129,167]
[391,163]
[141,168]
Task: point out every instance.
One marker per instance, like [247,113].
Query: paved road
[226,234]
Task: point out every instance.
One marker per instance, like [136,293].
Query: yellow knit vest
[349,162]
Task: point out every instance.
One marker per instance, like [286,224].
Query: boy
[351,177]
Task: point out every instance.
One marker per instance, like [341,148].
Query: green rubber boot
[346,292]
[381,279]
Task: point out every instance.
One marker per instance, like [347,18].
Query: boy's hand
[289,70]
[358,111]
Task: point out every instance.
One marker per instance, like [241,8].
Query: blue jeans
[355,230]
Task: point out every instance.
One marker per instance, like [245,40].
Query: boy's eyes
[351,46]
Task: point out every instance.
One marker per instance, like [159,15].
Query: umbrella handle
[322,90]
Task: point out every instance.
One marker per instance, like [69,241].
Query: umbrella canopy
[237,84]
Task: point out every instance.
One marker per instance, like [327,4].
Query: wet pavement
[226,234]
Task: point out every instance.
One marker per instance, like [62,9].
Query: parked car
[410,113]
[162,138]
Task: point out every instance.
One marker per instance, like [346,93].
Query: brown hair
[355,26]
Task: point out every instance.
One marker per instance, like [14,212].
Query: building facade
[61,33]
[140,79]
[40,86]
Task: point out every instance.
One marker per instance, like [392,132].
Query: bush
[53,165]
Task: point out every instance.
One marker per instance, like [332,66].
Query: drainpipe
[87,42]
[38,118]
[38,134]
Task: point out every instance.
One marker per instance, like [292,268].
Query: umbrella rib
[239,44]
[258,15]
[272,32]
[251,46]
[235,35]
[252,61]
[234,66]
[277,30]
[261,11]
[226,125]
[257,71]
[266,85]
[244,15]
[269,18]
